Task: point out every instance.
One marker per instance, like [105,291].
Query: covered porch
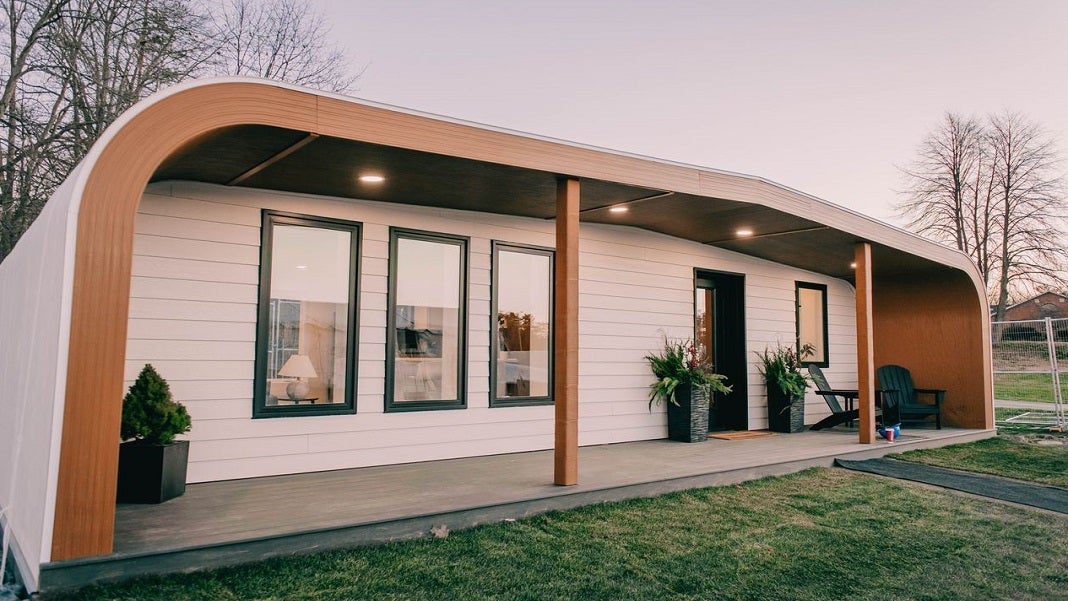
[911,297]
[223,523]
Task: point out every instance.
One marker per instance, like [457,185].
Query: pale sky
[826,97]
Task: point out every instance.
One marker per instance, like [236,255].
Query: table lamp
[298,366]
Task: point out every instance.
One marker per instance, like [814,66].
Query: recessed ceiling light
[302,266]
[372,179]
[852,265]
[744,233]
[619,209]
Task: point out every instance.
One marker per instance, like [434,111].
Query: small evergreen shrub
[150,413]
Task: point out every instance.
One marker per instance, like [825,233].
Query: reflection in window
[705,297]
[522,356]
[812,322]
[427,315]
[305,314]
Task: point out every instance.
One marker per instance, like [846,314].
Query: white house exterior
[193,316]
[153,252]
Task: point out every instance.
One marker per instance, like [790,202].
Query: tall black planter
[688,422]
[152,473]
[785,414]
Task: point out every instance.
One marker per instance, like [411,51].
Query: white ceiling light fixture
[619,209]
[372,179]
[743,232]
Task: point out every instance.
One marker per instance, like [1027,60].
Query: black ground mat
[995,487]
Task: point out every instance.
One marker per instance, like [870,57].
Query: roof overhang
[433,161]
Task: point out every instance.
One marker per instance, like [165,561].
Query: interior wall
[193,312]
[937,326]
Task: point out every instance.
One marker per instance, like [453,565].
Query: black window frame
[464,242]
[530,401]
[797,321]
[269,219]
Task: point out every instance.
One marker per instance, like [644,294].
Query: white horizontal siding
[193,314]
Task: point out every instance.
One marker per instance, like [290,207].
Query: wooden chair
[838,414]
[899,380]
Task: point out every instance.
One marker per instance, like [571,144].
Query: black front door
[719,326]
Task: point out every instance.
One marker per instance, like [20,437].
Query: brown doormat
[741,435]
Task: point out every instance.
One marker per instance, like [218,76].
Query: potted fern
[152,465]
[781,368]
[685,382]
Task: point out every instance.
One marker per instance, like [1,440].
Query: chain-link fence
[1031,369]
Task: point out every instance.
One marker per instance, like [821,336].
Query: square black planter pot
[785,414]
[688,422]
[151,473]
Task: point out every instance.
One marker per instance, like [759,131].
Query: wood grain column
[865,346]
[565,340]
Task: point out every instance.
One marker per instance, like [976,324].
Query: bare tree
[991,190]
[940,179]
[1028,203]
[32,115]
[115,52]
[283,40]
[71,67]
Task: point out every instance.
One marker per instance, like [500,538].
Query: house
[1025,320]
[439,289]
[1048,304]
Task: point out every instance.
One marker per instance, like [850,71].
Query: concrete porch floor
[230,522]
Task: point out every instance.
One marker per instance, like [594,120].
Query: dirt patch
[1041,438]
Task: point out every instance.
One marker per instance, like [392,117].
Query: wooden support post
[565,323]
[865,344]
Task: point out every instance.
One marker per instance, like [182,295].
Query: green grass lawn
[1027,387]
[1001,456]
[820,534]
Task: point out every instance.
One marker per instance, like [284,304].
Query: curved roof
[437,161]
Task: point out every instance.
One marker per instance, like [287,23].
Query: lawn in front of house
[1015,455]
[819,534]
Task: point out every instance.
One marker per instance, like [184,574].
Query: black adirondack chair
[838,414]
[906,394]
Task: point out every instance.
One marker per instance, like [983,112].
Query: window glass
[428,317]
[812,321]
[305,325]
[704,314]
[523,289]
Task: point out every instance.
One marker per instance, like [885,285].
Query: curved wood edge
[88,460]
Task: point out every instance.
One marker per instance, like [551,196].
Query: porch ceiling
[330,166]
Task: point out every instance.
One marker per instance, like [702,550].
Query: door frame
[733,412]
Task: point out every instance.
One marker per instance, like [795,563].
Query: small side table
[308,400]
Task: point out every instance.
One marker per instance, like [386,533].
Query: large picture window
[521,331]
[812,322]
[425,339]
[306,331]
